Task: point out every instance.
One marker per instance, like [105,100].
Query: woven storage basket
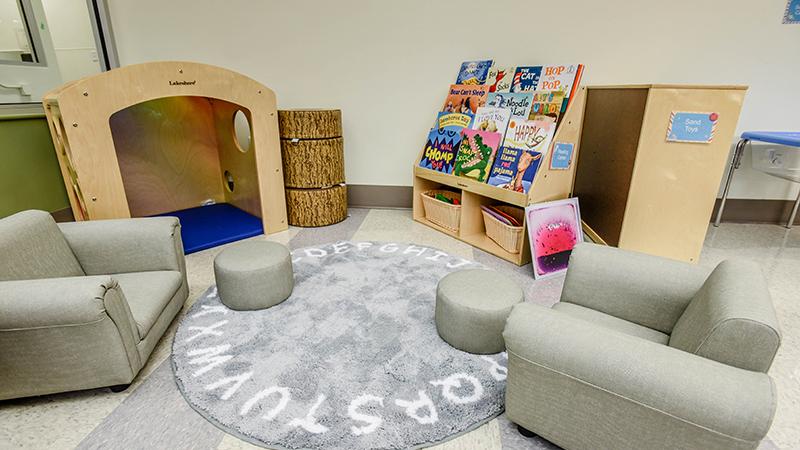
[506,236]
[442,213]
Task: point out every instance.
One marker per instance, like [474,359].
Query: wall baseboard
[737,210]
[742,210]
[373,196]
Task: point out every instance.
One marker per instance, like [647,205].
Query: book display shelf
[549,184]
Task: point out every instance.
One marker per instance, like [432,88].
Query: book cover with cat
[546,105]
[532,135]
[564,78]
[476,154]
[442,145]
[514,169]
[489,118]
[474,72]
[465,99]
[519,103]
[526,78]
[499,79]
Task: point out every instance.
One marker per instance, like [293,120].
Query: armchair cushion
[148,293]
[33,247]
[126,245]
[611,322]
[644,289]
[731,319]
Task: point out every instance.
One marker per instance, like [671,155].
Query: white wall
[387,64]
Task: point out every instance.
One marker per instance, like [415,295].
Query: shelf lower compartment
[485,190]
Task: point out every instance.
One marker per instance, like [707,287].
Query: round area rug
[351,360]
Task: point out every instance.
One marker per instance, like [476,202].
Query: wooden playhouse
[161,139]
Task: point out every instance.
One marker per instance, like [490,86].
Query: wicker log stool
[254,275]
[313,166]
[472,307]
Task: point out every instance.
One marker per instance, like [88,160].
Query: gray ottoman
[472,307]
[254,275]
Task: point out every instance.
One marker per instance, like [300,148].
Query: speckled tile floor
[152,413]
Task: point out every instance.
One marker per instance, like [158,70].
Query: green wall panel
[29,173]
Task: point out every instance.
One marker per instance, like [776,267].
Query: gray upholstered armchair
[82,305]
[645,353]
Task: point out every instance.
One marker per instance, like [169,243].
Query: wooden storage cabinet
[639,191]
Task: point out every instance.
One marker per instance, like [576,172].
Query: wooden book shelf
[547,185]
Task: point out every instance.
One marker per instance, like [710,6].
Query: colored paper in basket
[554,228]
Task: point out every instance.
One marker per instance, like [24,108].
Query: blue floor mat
[209,226]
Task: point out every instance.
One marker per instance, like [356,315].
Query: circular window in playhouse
[242,134]
[229,183]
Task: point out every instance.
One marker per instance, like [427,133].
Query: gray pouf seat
[254,275]
[472,307]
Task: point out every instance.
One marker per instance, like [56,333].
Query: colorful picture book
[531,135]
[526,78]
[519,103]
[564,78]
[440,150]
[442,145]
[474,72]
[475,154]
[554,229]
[499,79]
[463,98]
[514,169]
[453,120]
[547,105]
[489,118]
[501,215]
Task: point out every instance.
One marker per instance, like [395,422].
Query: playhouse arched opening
[183,139]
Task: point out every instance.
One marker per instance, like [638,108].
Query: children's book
[561,78]
[465,99]
[515,168]
[526,78]
[454,121]
[492,119]
[546,105]
[475,154]
[474,72]
[519,103]
[442,145]
[532,135]
[499,79]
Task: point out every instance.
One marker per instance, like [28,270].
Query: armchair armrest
[126,245]
[62,334]
[610,372]
[643,289]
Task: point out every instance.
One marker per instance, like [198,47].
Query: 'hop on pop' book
[564,78]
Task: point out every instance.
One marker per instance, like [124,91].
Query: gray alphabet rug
[351,360]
